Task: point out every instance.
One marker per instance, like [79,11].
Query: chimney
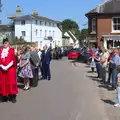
[18,11]
[35,12]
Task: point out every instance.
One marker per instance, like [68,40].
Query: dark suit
[46,59]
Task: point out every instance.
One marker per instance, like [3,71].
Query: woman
[26,71]
[97,60]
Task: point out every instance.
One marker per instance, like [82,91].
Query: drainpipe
[31,31]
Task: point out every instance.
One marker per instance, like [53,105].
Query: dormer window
[94,25]
[23,22]
[116,24]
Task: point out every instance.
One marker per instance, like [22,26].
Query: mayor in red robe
[8,82]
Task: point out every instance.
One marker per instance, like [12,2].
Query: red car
[74,53]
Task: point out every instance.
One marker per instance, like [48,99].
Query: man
[115,62]
[8,82]
[46,59]
[34,60]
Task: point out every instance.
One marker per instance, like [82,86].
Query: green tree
[69,24]
[83,35]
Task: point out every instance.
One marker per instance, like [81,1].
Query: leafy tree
[69,24]
[83,35]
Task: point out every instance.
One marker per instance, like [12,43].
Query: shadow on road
[108,102]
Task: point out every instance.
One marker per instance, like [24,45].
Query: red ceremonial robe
[8,82]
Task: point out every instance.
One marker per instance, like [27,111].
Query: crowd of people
[107,64]
[22,64]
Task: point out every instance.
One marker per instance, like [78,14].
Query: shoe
[14,99]
[49,79]
[117,105]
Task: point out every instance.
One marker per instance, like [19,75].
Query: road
[70,95]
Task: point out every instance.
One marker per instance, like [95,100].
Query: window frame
[23,22]
[40,33]
[115,31]
[94,25]
[23,35]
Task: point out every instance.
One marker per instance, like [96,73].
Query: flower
[4,52]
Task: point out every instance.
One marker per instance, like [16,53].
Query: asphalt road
[70,95]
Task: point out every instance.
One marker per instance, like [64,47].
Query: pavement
[70,95]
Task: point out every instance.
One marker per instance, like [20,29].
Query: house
[104,24]
[38,29]
[6,31]
[69,39]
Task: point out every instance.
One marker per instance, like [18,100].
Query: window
[49,33]
[36,31]
[49,24]
[40,33]
[116,24]
[23,34]
[94,25]
[53,33]
[36,22]
[40,22]
[45,33]
[23,22]
[45,23]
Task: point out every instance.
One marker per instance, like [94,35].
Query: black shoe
[49,78]
[14,99]
[4,99]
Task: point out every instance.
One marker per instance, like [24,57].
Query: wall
[104,27]
[39,38]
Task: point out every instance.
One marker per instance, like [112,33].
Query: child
[92,64]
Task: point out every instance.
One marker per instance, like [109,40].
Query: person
[97,60]
[25,68]
[35,61]
[118,89]
[8,82]
[115,62]
[46,59]
[103,64]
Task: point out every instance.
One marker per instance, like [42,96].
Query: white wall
[70,40]
[38,38]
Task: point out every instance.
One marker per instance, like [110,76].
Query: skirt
[26,71]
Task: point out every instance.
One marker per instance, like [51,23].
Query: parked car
[74,53]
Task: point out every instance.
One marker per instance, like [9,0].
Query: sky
[54,9]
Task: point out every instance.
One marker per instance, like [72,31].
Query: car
[74,53]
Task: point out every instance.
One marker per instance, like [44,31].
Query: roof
[109,7]
[6,27]
[29,17]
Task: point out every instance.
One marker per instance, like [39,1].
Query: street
[70,95]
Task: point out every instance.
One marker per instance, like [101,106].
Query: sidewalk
[107,97]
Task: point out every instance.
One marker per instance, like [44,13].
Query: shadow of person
[108,101]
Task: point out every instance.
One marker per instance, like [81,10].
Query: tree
[69,24]
[83,35]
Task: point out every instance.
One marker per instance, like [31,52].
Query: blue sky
[55,9]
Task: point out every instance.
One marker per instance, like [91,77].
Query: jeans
[114,77]
[118,94]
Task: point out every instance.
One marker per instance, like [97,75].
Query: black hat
[5,40]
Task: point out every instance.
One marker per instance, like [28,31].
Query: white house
[69,39]
[38,29]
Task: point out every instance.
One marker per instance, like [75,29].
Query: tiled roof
[111,6]
[28,17]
